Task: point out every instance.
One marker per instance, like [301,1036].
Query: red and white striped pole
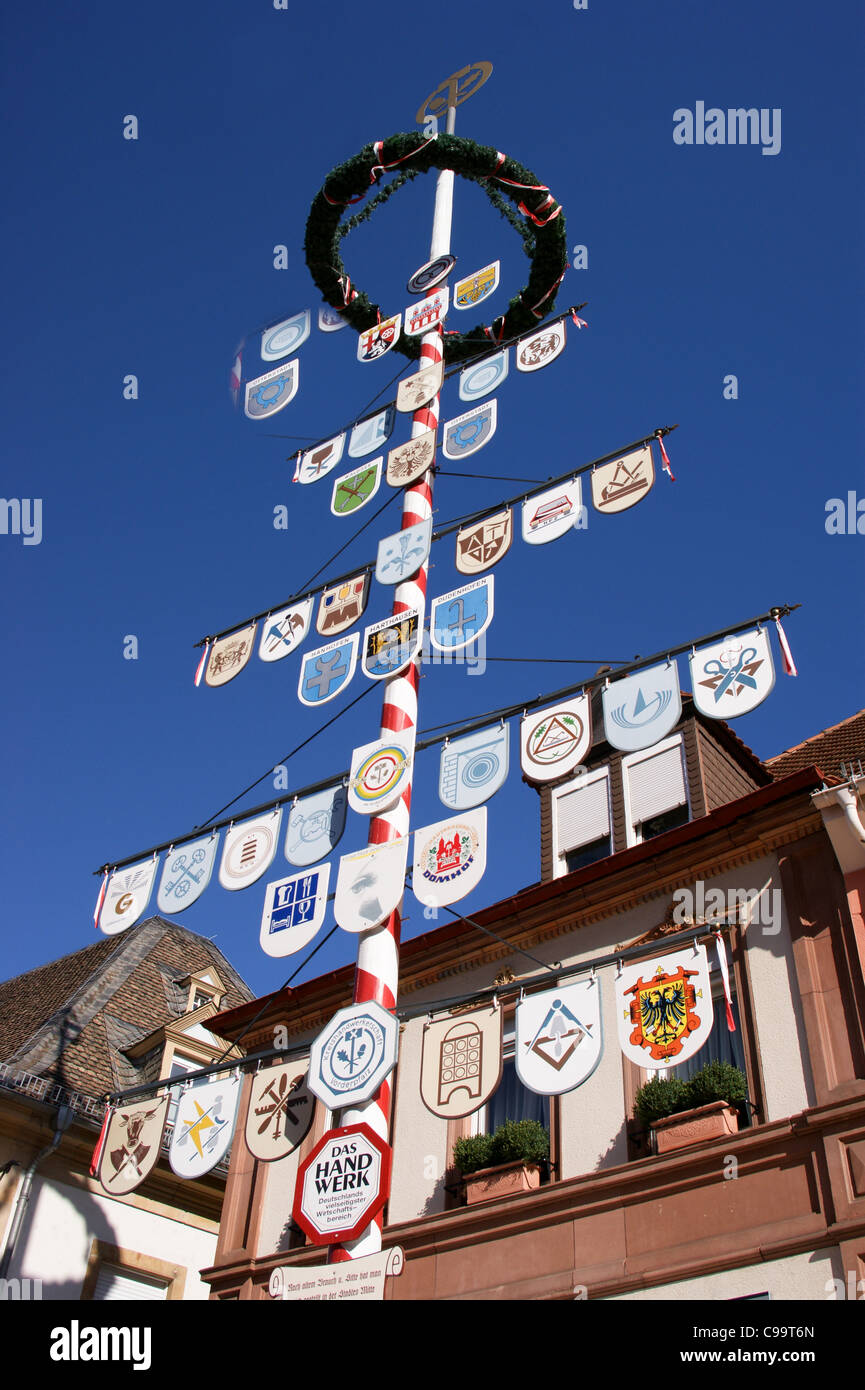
[377,974]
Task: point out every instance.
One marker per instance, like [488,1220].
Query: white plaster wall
[62,1222]
[420,1151]
[799,1277]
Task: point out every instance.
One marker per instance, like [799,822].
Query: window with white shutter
[656,792]
[581,822]
[114,1283]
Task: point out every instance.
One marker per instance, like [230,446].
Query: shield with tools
[623,483]
[559,1040]
[281,1109]
[315,463]
[733,676]
[282,632]
[133,1142]
[315,826]
[419,389]
[353,490]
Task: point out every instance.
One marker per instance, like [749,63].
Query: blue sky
[155,256]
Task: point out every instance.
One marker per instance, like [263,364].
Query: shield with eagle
[664,1008]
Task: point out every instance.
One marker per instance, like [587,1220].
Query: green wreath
[536,216]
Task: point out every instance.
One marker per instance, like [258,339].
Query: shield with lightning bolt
[203,1126]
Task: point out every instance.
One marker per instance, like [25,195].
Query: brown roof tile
[837,751]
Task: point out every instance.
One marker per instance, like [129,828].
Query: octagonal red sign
[342,1185]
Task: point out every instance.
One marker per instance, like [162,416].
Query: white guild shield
[353,490]
[370,885]
[369,434]
[374,342]
[558,1037]
[294,909]
[281,1109]
[284,630]
[469,432]
[285,337]
[248,851]
[389,646]
[450,858]
[228,656]
[419,389]
[351,1057]
[342,605]
[268,394]
[623,483]
[186,873]
[733,676]
[552,513]
[380,772]
[126,897]
[475,288]
[484,376]
[642,709]
[473,768]
[458,618]
[315,463]
[541,348]
[203,1126]
[411,460]
[421,317]
[325,671]
[315,826]
[554,741]
[403,553]
[330,320]
[664,1007]
[483,544]
[461,1062]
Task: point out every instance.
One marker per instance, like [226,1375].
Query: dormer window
[200,998]
[582,824]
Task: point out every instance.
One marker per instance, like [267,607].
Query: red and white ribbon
[666,462]
[101,899]
[789,663]
[100,1142]
[383,168]
[725,978]
[199,673]
[544,297]
[578,322]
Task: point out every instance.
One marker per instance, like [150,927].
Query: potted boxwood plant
[510,1160]
[680,1113]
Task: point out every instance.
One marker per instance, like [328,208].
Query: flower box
[502,1181]
[712,1121]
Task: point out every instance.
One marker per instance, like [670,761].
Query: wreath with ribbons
[512,189]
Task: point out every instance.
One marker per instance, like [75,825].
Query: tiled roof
[74,1019]
[837,751]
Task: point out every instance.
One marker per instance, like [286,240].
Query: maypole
[377,973]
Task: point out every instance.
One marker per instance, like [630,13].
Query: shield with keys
[186,873]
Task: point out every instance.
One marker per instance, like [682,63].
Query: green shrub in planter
[662,1096]
[718,1081]
[516,1141]
[473,1153]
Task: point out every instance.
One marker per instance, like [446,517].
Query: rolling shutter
[656,784]
[583,815]
[113,1284]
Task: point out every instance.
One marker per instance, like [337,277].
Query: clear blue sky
[155,256]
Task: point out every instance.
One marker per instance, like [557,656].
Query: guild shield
[269,393]
[186,873]
[431,274]
[353,490]
[473,768]
[315,826]
[374,342]
[126,897]
[623,483]
[558,1037]
[554,741]
[390,645]
[331,320]
[294,909]
[458,618]
[133,1142]
[342,605]
[203,1126]
[541,348]
[325,671]
[450,858]
[474,288]
[285,337]
[664,1007]
[248,850]
[642,709]
[461,1062]
[281,1110]
[482,545]
[370,885]
[284,630]
[411,460]
[421,317]
[379,774]
[369,434]
[484,376]
[228,656]
[550,514]
[315,463]
[733,676]
[403,553]
[469,432]
[419,389]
